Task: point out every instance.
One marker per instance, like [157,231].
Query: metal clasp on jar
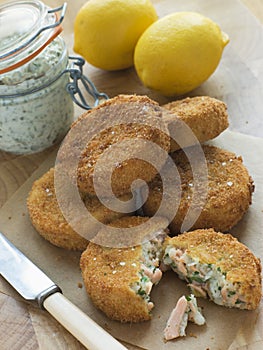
[76,74]
[75,71]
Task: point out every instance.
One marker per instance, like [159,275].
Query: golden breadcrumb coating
[144,100]
[109,274]
[130,115]
[229,191]
[206,116]
[233,258]
[48,220]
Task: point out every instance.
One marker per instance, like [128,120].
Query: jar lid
[26,28]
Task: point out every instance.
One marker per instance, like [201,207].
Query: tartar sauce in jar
[36,110]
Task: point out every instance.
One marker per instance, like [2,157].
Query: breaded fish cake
[206,116]
[217,266]
[48,220]
[119,280]
[229,191]
[136,124]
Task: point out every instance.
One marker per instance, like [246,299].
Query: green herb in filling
[239,301]
[197,279]
[141,292]
[231,292]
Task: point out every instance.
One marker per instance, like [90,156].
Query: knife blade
[35,286]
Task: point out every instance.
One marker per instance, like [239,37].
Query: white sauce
[35,120]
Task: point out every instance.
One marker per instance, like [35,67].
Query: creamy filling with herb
[204,279]
[150,273]
[32,121]
[143,287]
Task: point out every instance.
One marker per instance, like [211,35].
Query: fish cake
[136,126]
[207,117]
[119,280]
[48,220]
[216,266]
[230,189]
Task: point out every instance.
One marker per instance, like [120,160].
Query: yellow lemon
[179,52]
[106,31]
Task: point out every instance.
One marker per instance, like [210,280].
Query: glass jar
[36,95]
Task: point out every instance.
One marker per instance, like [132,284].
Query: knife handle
[89,333]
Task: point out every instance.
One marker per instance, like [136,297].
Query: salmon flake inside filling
[185,310]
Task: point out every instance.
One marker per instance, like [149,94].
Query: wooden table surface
[22,326]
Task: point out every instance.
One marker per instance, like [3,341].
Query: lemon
[179,52]
[106,31]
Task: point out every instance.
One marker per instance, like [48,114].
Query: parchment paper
[226,328]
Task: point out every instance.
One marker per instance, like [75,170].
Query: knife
[35,286]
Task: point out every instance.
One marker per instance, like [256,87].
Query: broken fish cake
[217,266]
[119,280]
